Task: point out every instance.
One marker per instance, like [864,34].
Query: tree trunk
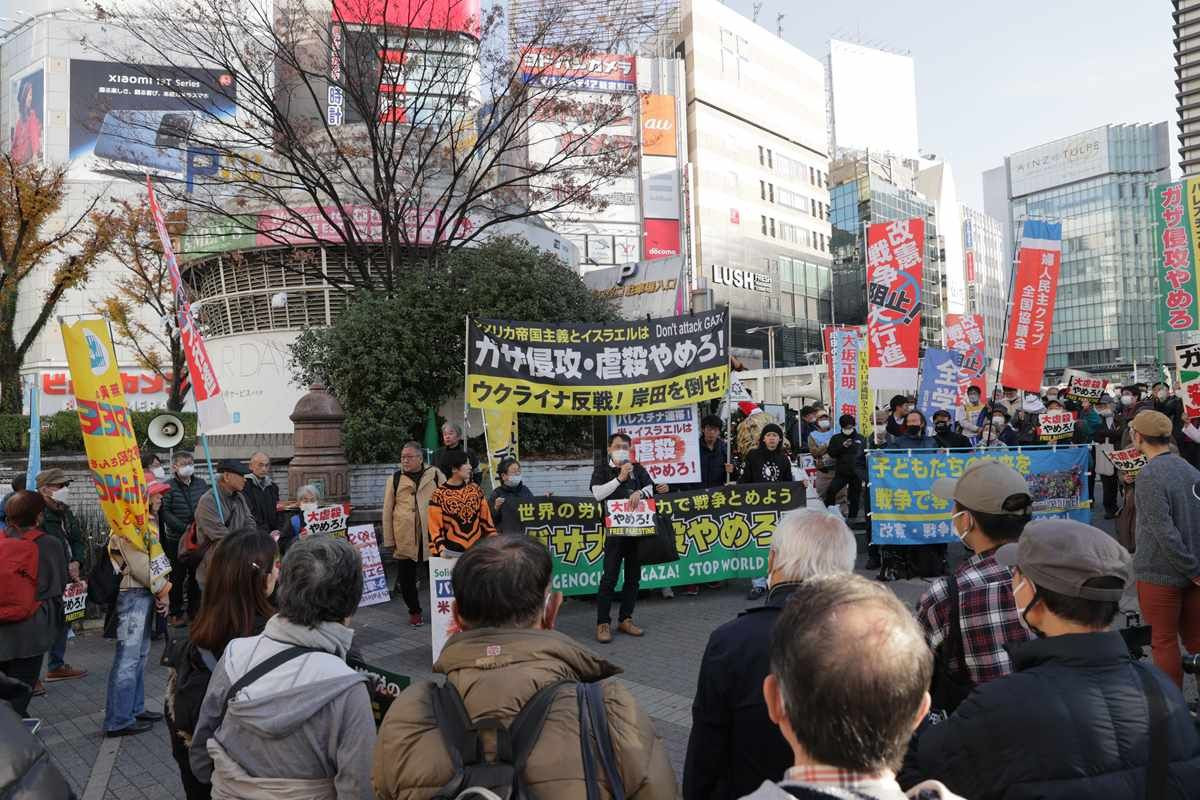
[10,376]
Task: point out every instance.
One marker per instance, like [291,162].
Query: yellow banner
[500,433]
[520,395]
[866,408]
[112,450]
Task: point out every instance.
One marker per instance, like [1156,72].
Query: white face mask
[962,536]
[61,495]
[1161,394]
[307,507]
[1021,609]
[1051,395]
[998,422]
[973,399]
[159,473]
[512,481]
[620,456]
[823,424]
[1106,413]
[1126,399]
[186,471]
[848,431]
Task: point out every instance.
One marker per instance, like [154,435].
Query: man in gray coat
[233,518]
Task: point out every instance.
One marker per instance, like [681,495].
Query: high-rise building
[882,189]
[1187,83]
[872,98]
[759,196]
[986,267]
[1099,184]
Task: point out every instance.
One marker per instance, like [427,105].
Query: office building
[1099,184]
[872,98]
[882,189]
[986,268]
[759,197]
[1187,83]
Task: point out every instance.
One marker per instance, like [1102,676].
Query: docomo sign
[455,16]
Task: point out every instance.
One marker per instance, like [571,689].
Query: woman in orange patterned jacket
[458,511]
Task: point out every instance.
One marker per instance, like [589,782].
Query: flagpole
[1012,276]
[212,475]
[729,387]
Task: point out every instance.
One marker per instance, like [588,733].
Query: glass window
[764,224]
[772,220]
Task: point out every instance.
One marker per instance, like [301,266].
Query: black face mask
[941,427]
[914,430]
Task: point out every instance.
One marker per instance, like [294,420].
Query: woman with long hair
[241,577]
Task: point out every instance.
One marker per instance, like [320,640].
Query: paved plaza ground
[660,670]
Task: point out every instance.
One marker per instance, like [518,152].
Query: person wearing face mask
[308,498]
[1078,717]
[618,478]
[913,435]
[968,617]
[944,433]
[1106,437]
[899,406]
[1052,395]
[767,463]
[973,418]
[1025,420]
[818,446]
[406,521]
[508,495]
[178,511]
[1010,398]
[848,450]
[59,521]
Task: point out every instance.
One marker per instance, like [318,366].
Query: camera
[1191,663]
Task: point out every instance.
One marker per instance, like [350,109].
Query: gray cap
[983,486]
[1062,554]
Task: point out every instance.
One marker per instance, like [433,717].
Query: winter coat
[264,504]
[506,517]
[766,466]
[1070,722]
[406,513]
[34,635]
[62,523]
[1168,522]
[303,730]
[179,506]
[907,442]
[712,464]
[849,454]
[733,743]
[212,527]
[497,671]
[26,769]
[952,441]
[639,479]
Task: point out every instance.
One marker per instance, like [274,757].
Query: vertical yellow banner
[866,408]
[108,437]
[500,433]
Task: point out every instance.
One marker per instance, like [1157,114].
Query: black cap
[232,465]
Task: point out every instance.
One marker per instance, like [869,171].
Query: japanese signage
[939,381]
[500,435]
[144,390]
[1032,314]
[719,534]
[895,259]
[211,411]
[441,603]
[1131,460]
[75,601]
[904,509]
[629,517]
[383,686]
[593,72]
[640,289]
[1177,209]
[1053,426]
[327,521]
[666,443]
[843,345]
[1081,387]
[112,451]
[866,408]
[375,586]
[1056,163]
[658,125]
[964,333]
[565,368]
[1187,358]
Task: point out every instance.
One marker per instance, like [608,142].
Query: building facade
[1187,83]
[759,195]
[987,267]
[1099,184]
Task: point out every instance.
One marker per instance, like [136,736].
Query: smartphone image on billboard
[145,141]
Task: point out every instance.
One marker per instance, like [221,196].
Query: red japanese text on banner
[964,333]
[895,260]
[1187,359]
[1031,316]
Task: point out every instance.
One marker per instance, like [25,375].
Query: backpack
[191,551]
[503,778]
[19,577]
[193,670]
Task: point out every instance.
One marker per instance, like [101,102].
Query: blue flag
[35,437]
[939,381]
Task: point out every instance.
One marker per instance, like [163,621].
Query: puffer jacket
[26,771]
[1070,722]
[179,506]
[406,513]
[497,671]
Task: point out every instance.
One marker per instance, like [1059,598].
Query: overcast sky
[997,77]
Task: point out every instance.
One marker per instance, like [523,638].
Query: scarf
[332,637]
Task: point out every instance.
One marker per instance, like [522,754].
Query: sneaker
[133,728]
[690,591]
[39,689]
[415,620]
[873,563]
[604,633]
[667,593]
[64,673]
[149,716]
[756,592]
[627,627]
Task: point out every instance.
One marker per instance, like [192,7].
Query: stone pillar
[320,457]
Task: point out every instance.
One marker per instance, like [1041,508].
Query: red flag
[964,333]
[1031,315]
[895,260]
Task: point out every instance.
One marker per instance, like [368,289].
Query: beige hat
[1062,554]
[983,487]
[52,477]
[1151,423]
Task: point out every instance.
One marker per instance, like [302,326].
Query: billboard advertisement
[658,125]
[662,238]
[455,16]
[130,120]
[660,187]
[585,72]
[27,116]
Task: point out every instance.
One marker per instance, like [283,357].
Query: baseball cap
[52,477]
[157,487]
[1151,423]
[983,487]
[1062,554]
[232,465]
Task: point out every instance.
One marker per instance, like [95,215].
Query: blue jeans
[58,650]
[126,680]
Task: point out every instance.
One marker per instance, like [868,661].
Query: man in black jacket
[452,439]
[618,478]
[1109,432]
[178,511]
[262,493]
[848,450]
[1078,717]
[715,469]
[944,433]
[733,743]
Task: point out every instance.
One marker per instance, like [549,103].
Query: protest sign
[719,534]
[1131,460]
[1187,359]
[75,601]
[375,587]
[441,599]
[1053,426]
[113,456]
[895,260]
[383,686]
[500,436]
[327,521]
[939,381]
[842,344]
[1085,387]
[904,509]
[629,518]
[1034,288]
[1176,209]
[964,333]
[578,368]
[866,408]
[666,443]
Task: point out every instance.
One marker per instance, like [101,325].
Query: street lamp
[770,329]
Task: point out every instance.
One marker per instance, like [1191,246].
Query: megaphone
[165,431]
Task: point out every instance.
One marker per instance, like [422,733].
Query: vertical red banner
[1031,316]
[964,333]
[895,260]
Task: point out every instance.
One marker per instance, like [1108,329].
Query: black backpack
[504,775]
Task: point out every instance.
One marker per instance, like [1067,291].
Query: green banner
[1176,209]
[719,534]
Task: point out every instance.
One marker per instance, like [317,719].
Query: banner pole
[466,368]
[212,475]
[729,387]
[1012,275]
